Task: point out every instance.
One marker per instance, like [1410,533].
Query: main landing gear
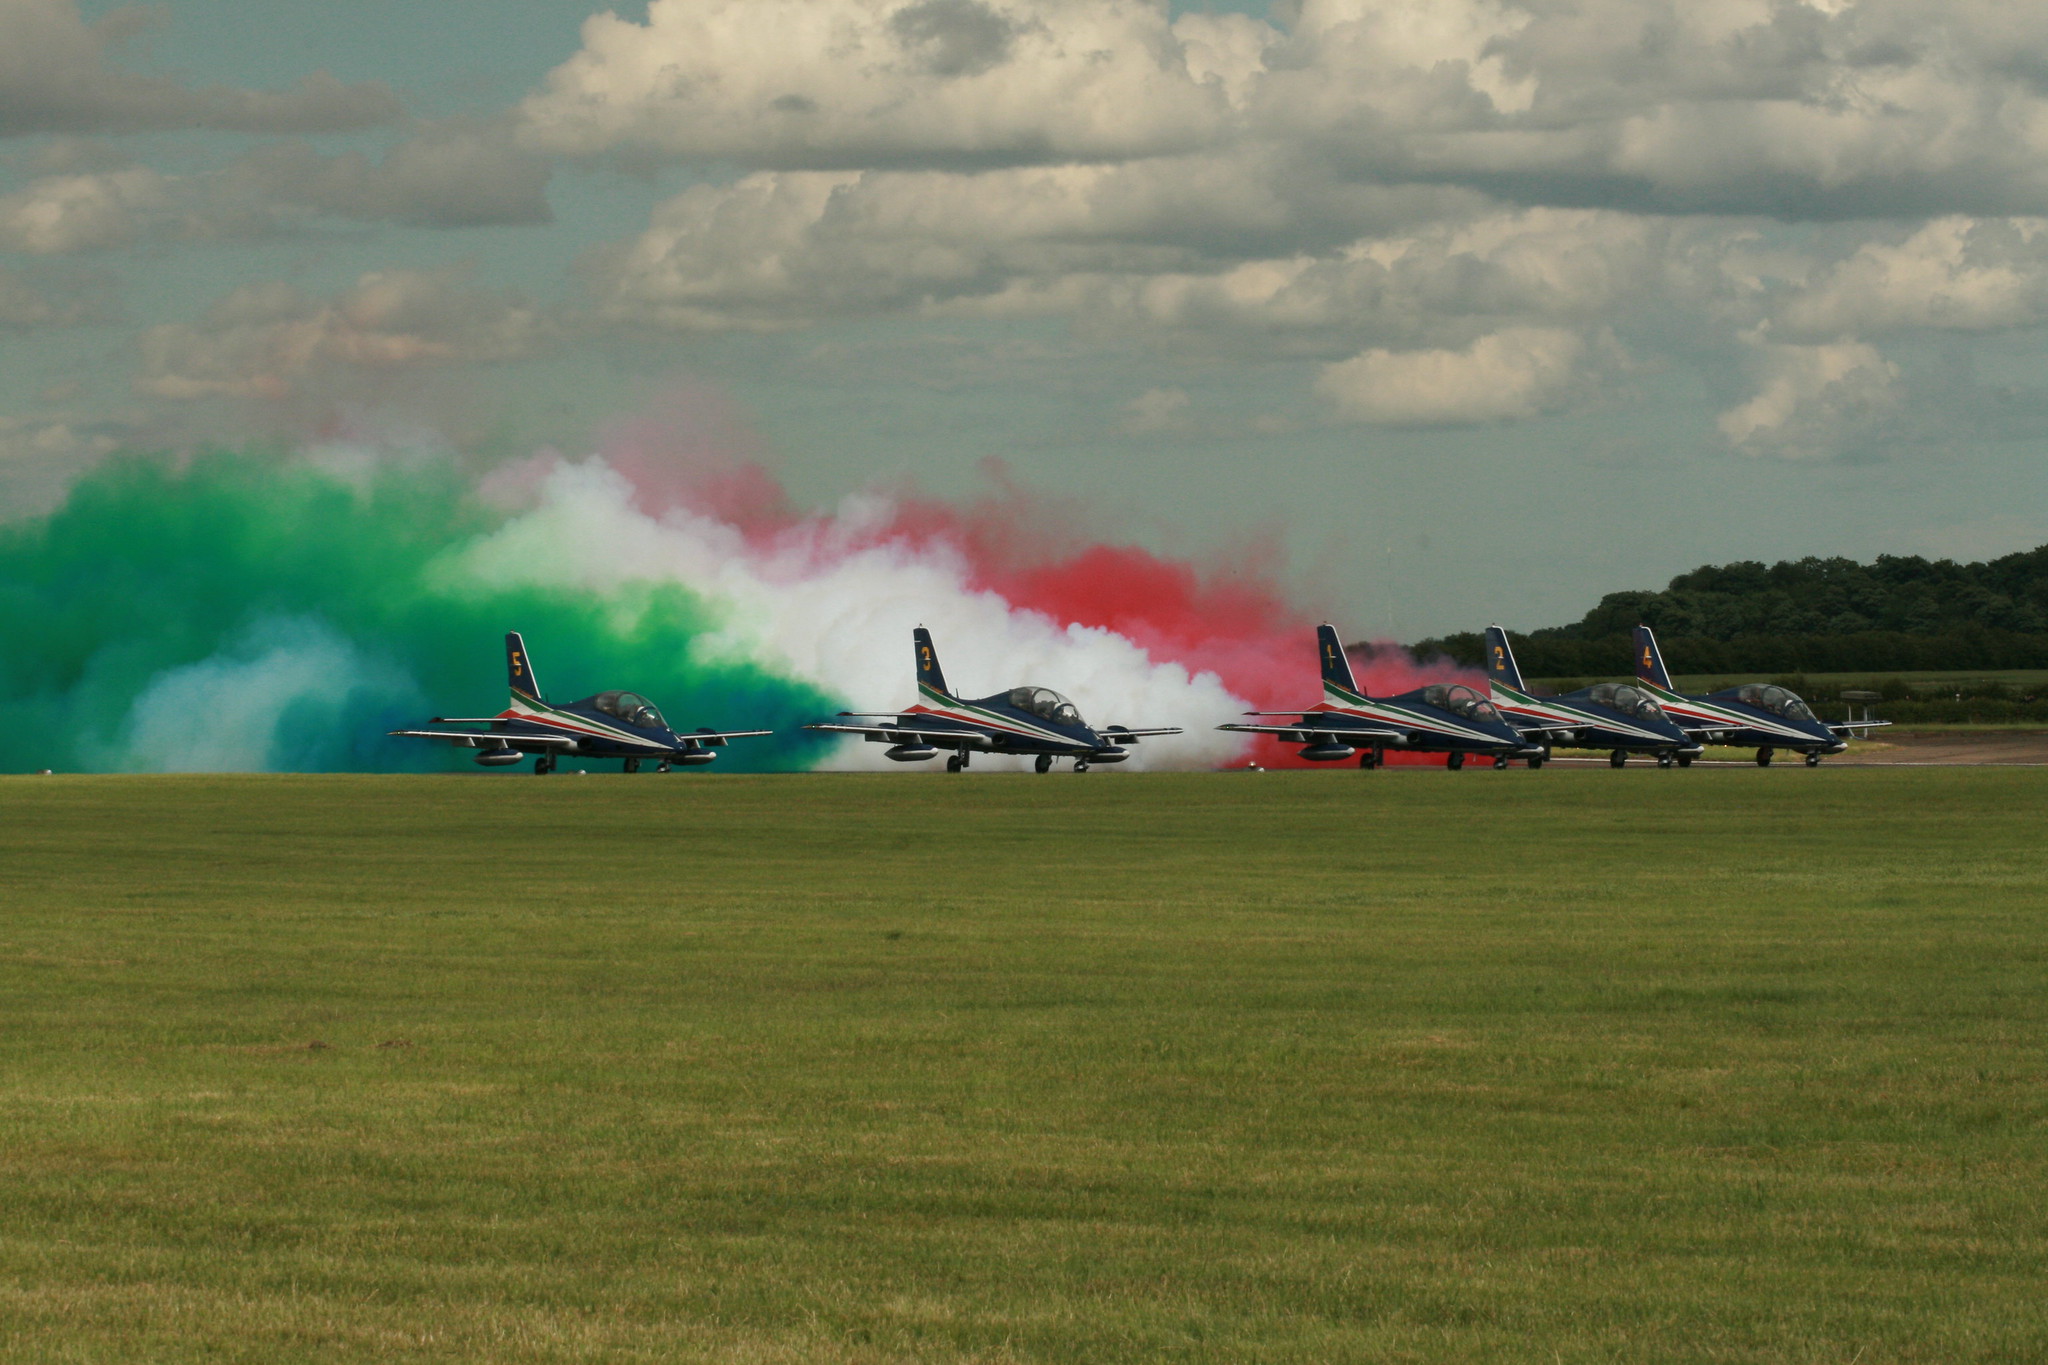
[1538,760]
[631,765]
[544,765]
[1454,760]
[1043,763]
[1372,758]
[956,763]
[1617,758]
[1685,760]
[1763,758]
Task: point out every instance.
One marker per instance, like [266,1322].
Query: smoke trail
[248,611]
[258,612]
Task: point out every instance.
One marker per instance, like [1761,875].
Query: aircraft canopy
[1046,704]
[631,708]
[1628,700]
[1776,700]
[1461,701]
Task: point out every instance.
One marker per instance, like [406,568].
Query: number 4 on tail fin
[1649,660]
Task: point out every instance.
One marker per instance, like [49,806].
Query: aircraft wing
[492,739]
[904,734]
[1117,732]
[1317,731]
[1853,728]
[721,735]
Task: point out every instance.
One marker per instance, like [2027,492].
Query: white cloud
[65,213]
[269,341]
[1516,372]
[455,173]
[1954,273]
[1812,400]
[55,77]
[1157,410]
[836,83]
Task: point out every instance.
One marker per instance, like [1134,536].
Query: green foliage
[1807,615]
[877,1069]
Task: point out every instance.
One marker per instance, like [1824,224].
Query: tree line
[1897,614]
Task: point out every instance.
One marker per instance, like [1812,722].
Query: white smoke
[290,694]
[838,614]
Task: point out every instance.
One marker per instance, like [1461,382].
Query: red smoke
[1032,550]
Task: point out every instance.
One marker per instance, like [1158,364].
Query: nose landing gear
[1813,760]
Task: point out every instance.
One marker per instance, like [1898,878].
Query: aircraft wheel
[1368,759]
[662,766]
[543,765]
[1813,760]
[953,764]
[1080,765]
[1617,758]
[1454,760]
[1500,762]
[1043,763]
[631,765]
[1664,760]
[1685,760]
[1763,758]
[1535,760]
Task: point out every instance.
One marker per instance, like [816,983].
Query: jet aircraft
[1449,719]
[1024,720]
[1618,718]
[622,725]
[1760,714]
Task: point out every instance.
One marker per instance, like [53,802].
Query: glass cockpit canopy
[1461,701]
[1776,700]
[1046,704]
[1630,701]
[630,707]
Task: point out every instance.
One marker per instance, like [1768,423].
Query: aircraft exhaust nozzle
[911,753]
[1327,753]
[498,758]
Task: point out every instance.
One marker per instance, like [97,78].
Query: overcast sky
[1485,308]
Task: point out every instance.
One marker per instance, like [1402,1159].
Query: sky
[1477,310]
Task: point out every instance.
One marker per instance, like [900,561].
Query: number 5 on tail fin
[930,677]
[519,670]
[1650,660]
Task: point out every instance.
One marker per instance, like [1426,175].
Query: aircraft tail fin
[1650,660]
[929,675]
[519,670]
[1500,660]
[1336,668]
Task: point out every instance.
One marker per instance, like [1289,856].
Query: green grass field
[1570,1065]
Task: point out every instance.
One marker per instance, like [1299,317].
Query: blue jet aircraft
[1024,720]
[1448,719]
[623,725]
[1615,717]
[1760,714]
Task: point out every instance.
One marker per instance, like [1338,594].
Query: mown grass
[1568,1065]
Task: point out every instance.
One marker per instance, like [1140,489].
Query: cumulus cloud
[1516,372]
[1812,401]
[56,77]
[824,84]
[66,213]
[454,173]
[1954,273]
[270,341]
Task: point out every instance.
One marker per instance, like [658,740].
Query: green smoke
[245,610]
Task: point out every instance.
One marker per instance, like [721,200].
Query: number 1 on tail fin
[1650,660]
[929,675]
[1336,668]
[519,670]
